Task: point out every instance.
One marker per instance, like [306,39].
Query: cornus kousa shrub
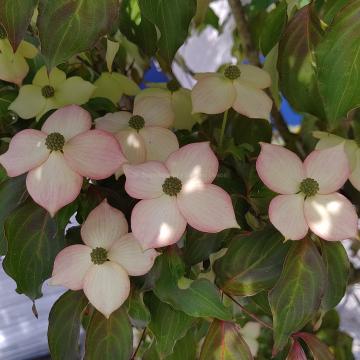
[184,207]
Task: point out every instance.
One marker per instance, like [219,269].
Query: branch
[249,313]
[252,55]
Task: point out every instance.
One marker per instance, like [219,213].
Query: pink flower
[102,266]
[308,197]
[60,155]
[143,135]
[240,87]
[175,193]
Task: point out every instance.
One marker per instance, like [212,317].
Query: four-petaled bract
[102,266]
[60,155]
[13,65]
[143,134]
[308,192]
[175,193]
[240,87]
[50,91]
[352,151]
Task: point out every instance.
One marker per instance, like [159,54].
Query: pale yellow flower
[50,91]
[13,66]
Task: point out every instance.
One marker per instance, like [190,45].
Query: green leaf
[200,299]
[318,349]
[12,193]
[273,27]
[142,33]
[338,59]
[224,342]
[64,325]
[185,348]
[296,62]
[33,241]
[138,312]
[172,18]
[297,295]
[76,25]
[199,246]
[15,16]
[167,325]
[109,339]
[337,268]
[252,263]
[330,9]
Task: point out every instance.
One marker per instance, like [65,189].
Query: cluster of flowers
[174,185]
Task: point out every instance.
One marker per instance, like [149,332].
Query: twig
[252,55]
[249,313]
[138,345]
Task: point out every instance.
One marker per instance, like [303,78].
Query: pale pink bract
[55,177]
[327,213]
[105,284]
[160,219]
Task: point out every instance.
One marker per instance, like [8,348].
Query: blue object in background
[291,117]
[153,75]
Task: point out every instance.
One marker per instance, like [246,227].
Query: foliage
[227,285]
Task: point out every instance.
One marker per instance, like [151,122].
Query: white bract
[103,265]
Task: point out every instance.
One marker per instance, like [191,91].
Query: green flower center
[309,187]
[55,141]
[173,85]
[232,72]
[48,91]
[3,34]
[172,186]
[137,122]
[99,255]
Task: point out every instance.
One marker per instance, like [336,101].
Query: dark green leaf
[297,295]
[109,339]
[172,18]
[199,246]
[76,25]
[142,33]
[338,59]
[15,16]
[224,342]
[296,62]
[200,299]
[273,27]
[33,240]
[138,312]
[252,263]
[167,325]
[64,326]
[12,193]
[185,348]
[330,9]
[337,268]
[318,349]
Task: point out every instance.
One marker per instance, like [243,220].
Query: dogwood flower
[175,193]
[50,91]
[57,157]
[308,192]
[13,66]
[173,100]
[103,265]
[143,135]
[352,151]
[240,87]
